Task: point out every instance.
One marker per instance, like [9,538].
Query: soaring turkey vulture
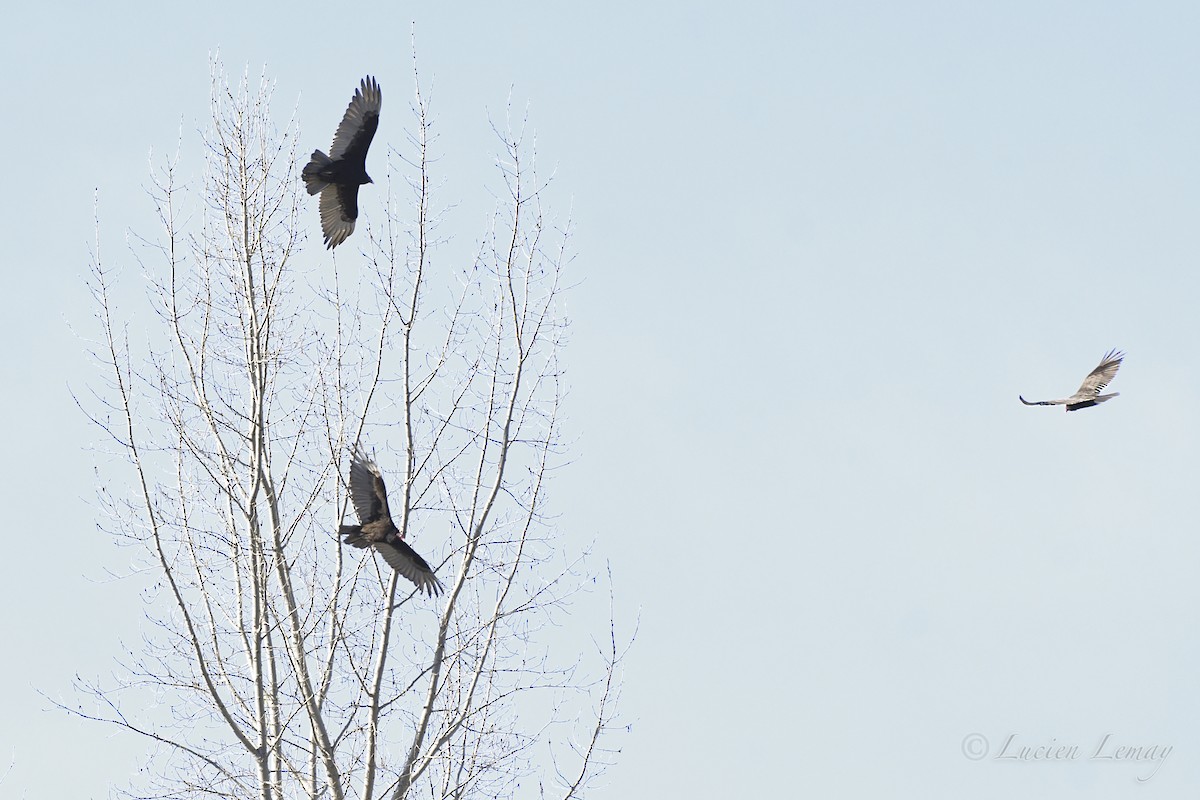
[369,496]
[1089,391]
[338,175]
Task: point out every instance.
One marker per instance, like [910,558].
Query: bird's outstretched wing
[1101,376]
[337,217]
[367,490]
[405,560]
[357,128]
[1041,402]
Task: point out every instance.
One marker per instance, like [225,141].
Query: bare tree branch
[281,664]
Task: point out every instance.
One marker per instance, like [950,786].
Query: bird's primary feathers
[369,497]
[338,175]
[1089,391]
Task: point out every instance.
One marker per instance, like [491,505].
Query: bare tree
[281,664]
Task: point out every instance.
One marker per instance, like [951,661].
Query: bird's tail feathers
[309,173]
[353,534]
[1104,397]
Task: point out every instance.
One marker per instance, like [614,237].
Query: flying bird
[369,496]
[1089,391]
[338,175]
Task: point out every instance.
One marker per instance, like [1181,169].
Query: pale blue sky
[821,249]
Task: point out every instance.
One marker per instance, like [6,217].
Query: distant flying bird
[1089,391]
[338,175]
[369,496]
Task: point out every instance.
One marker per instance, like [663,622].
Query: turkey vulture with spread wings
[369,496]
[338,175]
[1089,392]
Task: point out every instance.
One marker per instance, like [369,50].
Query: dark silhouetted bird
[369,496]
[1089,392]
[338,175]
